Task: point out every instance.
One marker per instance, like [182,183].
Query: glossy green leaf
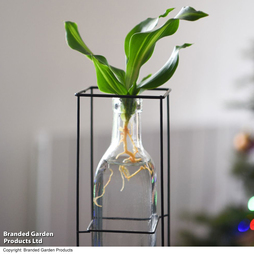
[144,26]
[142,46]
[165,73]
[120,74]
[107,82]
[74,39]
[145,78]
[166,13]
[110,79]
[139,46]
[190,14]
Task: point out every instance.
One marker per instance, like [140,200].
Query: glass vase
[124,193]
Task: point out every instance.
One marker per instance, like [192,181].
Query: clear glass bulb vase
[124,196]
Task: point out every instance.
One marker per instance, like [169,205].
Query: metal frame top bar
[84,93]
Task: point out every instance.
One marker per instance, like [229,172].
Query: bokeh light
[244,225]
[252,225]
[251,204]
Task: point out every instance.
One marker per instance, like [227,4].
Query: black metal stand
[85,93]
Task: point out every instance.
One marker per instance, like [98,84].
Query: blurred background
[209,106]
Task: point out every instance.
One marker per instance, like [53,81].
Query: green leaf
[139,46]
[74,39]
[145,26]
[166,13]
[134,90]
[109,79]
[120,74]
[165,73]
[142,46]
[148,76]
[107,82]
[190,14]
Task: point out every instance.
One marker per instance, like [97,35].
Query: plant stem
[129,107]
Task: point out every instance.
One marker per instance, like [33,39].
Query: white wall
[40,74]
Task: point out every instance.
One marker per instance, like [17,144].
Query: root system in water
[125,174]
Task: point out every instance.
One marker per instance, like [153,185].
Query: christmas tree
[234,225]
